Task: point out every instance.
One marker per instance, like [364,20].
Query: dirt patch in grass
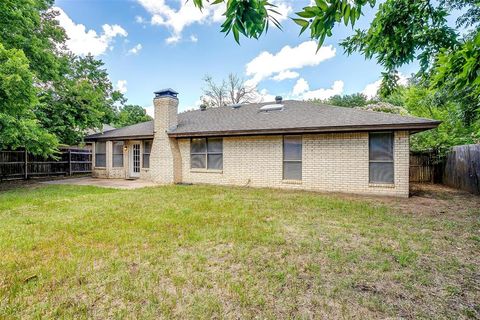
[426,199]
[32,183]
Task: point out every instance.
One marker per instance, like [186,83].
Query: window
[100,154]
[381,157]
[117,154]
[147,149]
[206,153]
[292,158]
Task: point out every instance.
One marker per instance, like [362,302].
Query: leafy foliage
[384,107]
[29,25]
[69,94]
[424,102]
[403,30]
[347,100]
[18,126]
[131,114]
[248,17]
[322,17]
[457,73]
[84,99]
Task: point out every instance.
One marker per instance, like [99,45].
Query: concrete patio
[105,183]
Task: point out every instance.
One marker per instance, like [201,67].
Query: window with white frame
[100,154]
[206,153]
[117,154]
[381,168]
[292,157]
[147,149]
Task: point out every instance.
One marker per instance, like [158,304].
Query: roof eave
[103,138]
[417,127]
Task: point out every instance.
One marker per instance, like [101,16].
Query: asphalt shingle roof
[140,130]
[295,116]
[303,116]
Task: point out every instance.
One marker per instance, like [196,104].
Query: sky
[148,45]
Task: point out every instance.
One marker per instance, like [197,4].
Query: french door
[135,160]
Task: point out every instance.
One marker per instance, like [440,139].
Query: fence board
[462,168]
[426,167]
[20,165]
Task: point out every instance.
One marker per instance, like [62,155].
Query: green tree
[131,114]
[347,100]
[18,126]
[424,102]
[30,25]
[82,100]
[74,93]
[456,73]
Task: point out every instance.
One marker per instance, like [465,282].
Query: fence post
[26,165]
[431,163]
[69,162]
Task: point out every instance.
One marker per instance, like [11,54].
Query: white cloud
[193,38]
[187,14]
[122,86]
[173,39]
[82,41]
[287,74]
[263,96]
[267,64]
[150,111]
[300,87]
[302,90]
[139,19]
[135,50]
[371,89]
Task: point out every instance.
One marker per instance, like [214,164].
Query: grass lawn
[215,252]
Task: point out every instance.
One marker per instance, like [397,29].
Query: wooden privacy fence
[426,166]
[421,166]
[462,168]
[459,168]
[22,165]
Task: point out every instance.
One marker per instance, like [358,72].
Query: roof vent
[169,92]
[203,107]
[278,99]
[236,105]
[271,107]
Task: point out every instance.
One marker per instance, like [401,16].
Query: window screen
[147,149]
[117,154]
[381,157]
[292,158]
[206,153]
[100,154]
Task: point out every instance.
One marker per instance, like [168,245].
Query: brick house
[286,144]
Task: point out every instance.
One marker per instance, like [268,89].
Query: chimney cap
[168,92]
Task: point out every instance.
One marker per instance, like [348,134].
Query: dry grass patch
[213,252]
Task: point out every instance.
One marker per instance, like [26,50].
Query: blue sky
[152,44]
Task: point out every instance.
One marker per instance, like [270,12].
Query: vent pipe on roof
[278,99]
[236,105]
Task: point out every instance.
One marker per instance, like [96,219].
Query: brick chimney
[165,105]
[165,160]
